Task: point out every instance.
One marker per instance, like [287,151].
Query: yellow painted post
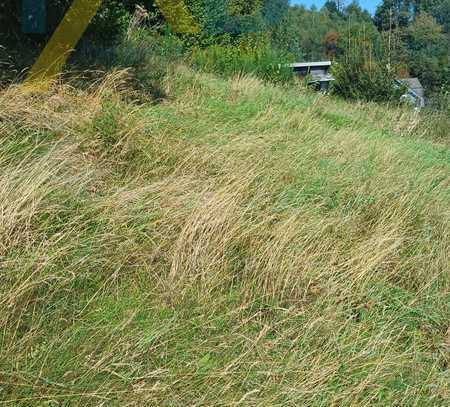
[63,41]
[72,27]
[178,16]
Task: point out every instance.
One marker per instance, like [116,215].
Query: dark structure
[318,73]
[34,16]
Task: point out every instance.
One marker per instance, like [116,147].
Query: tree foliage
[428,50]
[410,37]
[359,74]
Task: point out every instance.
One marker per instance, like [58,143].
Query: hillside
[238,243]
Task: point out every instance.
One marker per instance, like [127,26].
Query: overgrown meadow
[173,237]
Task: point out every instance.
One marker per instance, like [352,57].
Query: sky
[369,5]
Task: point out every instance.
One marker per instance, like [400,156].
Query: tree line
[403,38]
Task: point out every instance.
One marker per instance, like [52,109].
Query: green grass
[239,243]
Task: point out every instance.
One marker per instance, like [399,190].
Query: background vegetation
[405,37]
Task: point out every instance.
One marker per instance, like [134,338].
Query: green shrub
[355,80]
[110,22]
[147,55]
[440,100]
[150,56]
[436,116]
[247,55]
[358,75]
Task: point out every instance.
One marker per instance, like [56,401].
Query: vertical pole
[62,42]
[390,35]
[34,17]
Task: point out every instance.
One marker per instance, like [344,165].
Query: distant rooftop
[310,64]
[413,84]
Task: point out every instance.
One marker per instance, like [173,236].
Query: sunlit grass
[238,243]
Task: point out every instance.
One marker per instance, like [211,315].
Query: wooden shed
[318,72]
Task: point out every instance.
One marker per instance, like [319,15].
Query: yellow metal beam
[72,27]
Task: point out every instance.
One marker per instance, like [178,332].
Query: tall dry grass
[237,244]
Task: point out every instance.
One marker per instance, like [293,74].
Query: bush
[110,22]
[440,100]
[358,76]
[147,55]
[355,80]
[247,55]
[436,115]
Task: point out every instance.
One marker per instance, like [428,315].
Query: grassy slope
[237,244]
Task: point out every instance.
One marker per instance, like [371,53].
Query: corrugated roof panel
[310,64]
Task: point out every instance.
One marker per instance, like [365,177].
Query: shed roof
[310,64]
[413,84]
